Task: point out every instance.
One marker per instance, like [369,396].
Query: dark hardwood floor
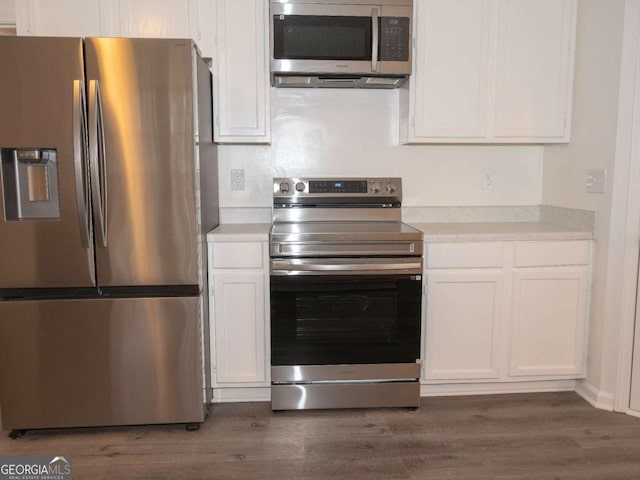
[523,436]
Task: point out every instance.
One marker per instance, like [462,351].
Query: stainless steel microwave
[333,43]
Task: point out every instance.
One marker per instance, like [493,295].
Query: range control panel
[337,186]
[344,190]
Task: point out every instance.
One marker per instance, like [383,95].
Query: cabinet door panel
[241,79]
[533,67]
[548,324]
[155,19]
[239,329]
[63,18]
[450,81]
[463,325]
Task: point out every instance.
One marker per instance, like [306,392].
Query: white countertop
[433,232]
[498,231]
[240,232]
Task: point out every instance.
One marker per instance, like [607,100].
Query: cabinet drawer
[237,255]
[464,255]
[540,254]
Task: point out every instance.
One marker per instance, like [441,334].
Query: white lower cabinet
[548,322]
[238,284]
[549,305]
[524,321]
[239,308]
[463,327]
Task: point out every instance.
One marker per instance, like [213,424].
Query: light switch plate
[596,180]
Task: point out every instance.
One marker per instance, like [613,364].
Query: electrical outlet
[488,180]
[596,180]
[237,180]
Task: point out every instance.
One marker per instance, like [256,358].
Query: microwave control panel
[394,39]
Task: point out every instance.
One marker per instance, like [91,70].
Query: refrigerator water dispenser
[30,183]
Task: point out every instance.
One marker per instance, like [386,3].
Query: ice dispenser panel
[30,183]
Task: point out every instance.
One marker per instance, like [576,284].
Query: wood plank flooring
[523,436]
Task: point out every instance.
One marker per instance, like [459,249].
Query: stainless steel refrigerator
[109,185]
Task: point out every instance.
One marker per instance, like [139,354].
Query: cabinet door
[464,311]
[239,329]
[449,86]
[548,321]
[157,18]
[534,68]
[241,73]
[64,18]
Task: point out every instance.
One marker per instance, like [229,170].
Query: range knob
[300,186]
[284,187]
[375,187]
[391,187]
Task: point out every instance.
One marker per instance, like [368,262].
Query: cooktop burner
[356,216]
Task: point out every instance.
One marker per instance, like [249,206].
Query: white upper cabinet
[64,18]
[490,71]
[534,68]
[157,18]
[241,72]
[450,81]
[115,18]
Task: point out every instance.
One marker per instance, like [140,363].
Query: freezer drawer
[69,363]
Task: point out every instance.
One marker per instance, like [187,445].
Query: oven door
[358,316]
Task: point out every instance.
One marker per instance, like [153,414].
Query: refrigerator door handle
[97,161]
[79,161]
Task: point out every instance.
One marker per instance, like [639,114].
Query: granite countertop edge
[433,232]
[240,232]
[498,231]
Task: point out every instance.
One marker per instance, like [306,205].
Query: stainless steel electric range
[346,295]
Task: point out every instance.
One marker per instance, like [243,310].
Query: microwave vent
[292,81]
[336,81]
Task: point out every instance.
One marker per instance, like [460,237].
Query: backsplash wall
[355,133]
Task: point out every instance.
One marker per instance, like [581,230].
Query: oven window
[306,37]
[328,320]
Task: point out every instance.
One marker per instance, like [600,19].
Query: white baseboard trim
[245,394]
[597,398]
[496,388]
[633,413]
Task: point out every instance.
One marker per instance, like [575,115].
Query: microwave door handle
[375,39]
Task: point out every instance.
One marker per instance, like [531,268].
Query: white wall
[355,133]
[593,146]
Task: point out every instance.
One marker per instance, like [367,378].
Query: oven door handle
[346,266]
